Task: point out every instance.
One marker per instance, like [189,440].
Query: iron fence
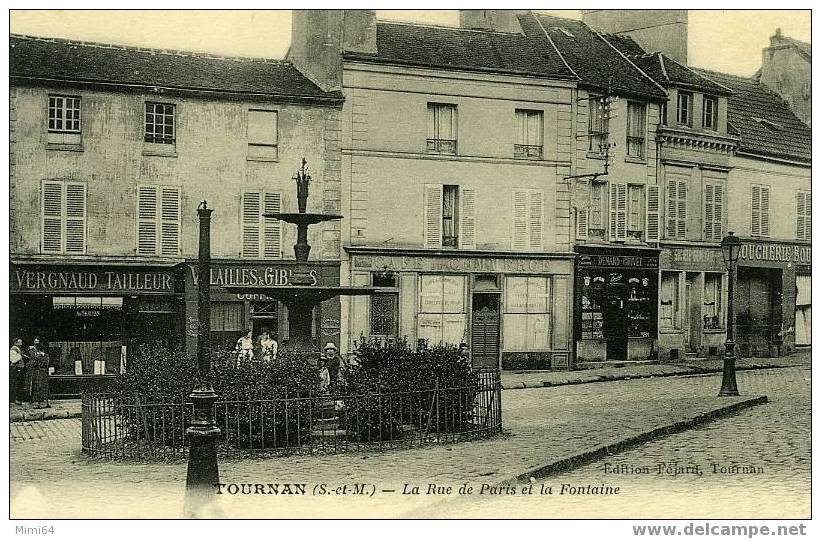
[118,427]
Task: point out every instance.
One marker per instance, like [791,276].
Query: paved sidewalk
[542,426]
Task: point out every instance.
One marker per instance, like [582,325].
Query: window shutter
[671,208]
[75,217]
[681,201]
[613,207]
[52,209]
[808,215]
[621,211]
[799,215]
[535,219]
[755,217]
[718,212]
[582,218]
[653,232]
[273,227]
[433,216]
[250,224]
[765,211]
[520,219]
[467,219]
[170,221]
[708,212]
[147,220]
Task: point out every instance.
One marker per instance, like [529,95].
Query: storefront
[692,302]
[512,310]
[92,319]
[616,304]
[768,297]
[232,315]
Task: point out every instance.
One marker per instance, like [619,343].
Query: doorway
[615,324]
[484,331]
[756,293]
[692,313]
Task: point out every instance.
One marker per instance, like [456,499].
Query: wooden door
[484,332]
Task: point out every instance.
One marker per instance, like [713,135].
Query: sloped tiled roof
[763,120]
[456,48]
[668,72]
[62,60]
[595,59]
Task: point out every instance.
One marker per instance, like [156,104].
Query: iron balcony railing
[527,151]
[443,146]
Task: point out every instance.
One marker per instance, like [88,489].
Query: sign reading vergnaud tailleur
[260,275]
[90,279]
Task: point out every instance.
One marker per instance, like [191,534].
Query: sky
[739,35]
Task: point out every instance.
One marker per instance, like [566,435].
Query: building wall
[787,72]
[210,163]
[662,30]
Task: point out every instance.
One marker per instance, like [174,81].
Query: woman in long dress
[39,376]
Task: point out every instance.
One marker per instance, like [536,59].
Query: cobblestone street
[542,425]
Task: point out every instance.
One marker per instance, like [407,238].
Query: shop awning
[76,302]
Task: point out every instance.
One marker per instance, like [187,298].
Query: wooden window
[529,134]
[712,311]
[669,300]
[528,218]
[261,236]
[636,129]
[663,113]
[158,220]
[710,113]
[760,214]
[441,128]
[618,211]
[64,119]
[385,308]
[684,109]
[636,206]
[598,125]
[262,135]
[803,214]
[227,324]
[442,309]
[160,123]
[63,217]
[713,211]
[527,313]
[449,216]
[677,209]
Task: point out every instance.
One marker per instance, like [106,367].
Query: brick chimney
[786,69]
[663,30]
[319,36]
[498,20]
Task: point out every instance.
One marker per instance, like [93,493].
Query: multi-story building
[112,150]
[786,68]
[456,146]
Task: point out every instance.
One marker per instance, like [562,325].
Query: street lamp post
[730,249]
[202,431]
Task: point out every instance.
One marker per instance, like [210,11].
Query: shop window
[158,220]
[529,134]
[597,125]
[593,296]
[64,125]
[227,324]
[441,128]
[261,236]
[713,308]
[527,314]
[803,214]
[262,135]
[159,123]
[760,211]
[639,297]
[636,129]
[449,216]
[669,300]
[385,307]
[713,211]
[86,335]
[528,216]
[442,311]
[63,215]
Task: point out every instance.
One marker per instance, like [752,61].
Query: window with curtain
[529,134]
[597,125]
[527,314]
[636,129]
[442,310]
[669,300]
[684,109]
[441,128]
[635,212]
[712,308]
[710,113]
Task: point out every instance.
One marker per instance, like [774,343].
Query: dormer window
[710,113]
[684,109]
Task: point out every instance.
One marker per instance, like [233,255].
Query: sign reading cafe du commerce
[85,279]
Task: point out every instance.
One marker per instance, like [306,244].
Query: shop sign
[796,254]
[460,264]
[698,258]
[619,261]
[258,276]
[91,280]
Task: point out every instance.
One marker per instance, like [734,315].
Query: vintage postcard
[454,264]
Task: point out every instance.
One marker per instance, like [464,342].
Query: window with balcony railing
[441,128]
[636,129]
[529,135]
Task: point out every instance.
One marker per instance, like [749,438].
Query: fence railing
[120,427]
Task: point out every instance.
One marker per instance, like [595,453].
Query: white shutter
[708,212]
[612,209]
[467,219]
[75,217]
[582,217]
[520,218]
[52,215]
[718,212]
[535,218]
[272,235]
[765,211]
[432,216]
[147,220]
[250,224]
[170,221]
[800,226]
[755,217]
[681,202]
[653,226]
[671,208]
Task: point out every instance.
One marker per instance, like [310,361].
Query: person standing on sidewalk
[39,375]
[17,371]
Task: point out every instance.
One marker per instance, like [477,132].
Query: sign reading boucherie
[91,280]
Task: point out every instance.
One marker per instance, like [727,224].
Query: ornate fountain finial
[302,180]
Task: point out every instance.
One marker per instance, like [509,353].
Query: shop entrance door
[615,325]
[754,314]
[484,343]
[692,313]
